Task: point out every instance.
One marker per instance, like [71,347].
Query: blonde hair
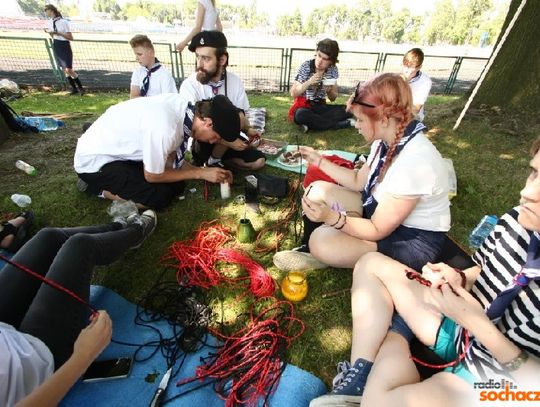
[141,41]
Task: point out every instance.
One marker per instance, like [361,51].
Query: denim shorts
[445,348]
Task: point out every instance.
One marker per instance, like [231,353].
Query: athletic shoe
[147,220]
[350,388]
[304,128]
[296,260]
[82,185]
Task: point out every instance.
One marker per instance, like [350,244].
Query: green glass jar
[245,232]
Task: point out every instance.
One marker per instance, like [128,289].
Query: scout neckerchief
[146,80]
[187,129]
[411,130]
[530,271]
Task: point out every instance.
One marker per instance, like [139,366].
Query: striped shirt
[305,72]
[501,257]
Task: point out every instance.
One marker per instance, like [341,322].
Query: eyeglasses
[356,99]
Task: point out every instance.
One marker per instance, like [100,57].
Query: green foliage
[32,7]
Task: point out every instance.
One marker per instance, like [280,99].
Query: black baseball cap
[225,118]
[214,39]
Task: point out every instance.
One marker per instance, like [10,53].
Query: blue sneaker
[349,389]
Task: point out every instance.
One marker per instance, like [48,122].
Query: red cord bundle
[250,362]
[195,262]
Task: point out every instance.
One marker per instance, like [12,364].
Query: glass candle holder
[294,286]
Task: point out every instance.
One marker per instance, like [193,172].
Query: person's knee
[318,190]
[320,247]
[48,233]
[257,164]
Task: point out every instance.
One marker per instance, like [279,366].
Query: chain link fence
[109,64]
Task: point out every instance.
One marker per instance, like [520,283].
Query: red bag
[299,102]
[314,173]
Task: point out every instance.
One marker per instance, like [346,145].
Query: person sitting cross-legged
[483,321]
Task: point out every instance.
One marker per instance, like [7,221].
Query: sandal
[21,233]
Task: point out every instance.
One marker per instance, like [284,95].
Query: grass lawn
[489,152]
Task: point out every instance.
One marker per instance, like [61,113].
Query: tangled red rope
[195,262]
[250,362]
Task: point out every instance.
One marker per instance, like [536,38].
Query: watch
[516,363]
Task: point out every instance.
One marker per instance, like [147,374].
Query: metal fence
[109,64]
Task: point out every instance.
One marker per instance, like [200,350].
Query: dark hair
[141,41]
[415,55]
[53,9]
[220,52]
[330,48]
[535,146]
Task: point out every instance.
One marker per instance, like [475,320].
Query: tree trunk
[513,81]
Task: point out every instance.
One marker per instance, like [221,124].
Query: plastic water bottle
[43,123]
[482,230]
[21,201]
[29,169]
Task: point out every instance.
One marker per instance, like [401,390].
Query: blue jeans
[66,256]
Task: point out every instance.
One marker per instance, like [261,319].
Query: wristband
[516,363]
[337,221]
[344,222]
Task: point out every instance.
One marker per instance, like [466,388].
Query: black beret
[214,39]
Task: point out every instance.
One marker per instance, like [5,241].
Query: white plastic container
[22,201]
[225,190]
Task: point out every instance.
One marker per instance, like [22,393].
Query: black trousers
[126,179]
[66,256]
[322,116]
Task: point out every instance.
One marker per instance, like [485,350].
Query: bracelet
[344,222]
[516,363]
[319,163]
[337,221]
[463,277]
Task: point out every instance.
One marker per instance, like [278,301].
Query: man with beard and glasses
[210,79]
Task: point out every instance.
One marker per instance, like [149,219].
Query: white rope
[490,62]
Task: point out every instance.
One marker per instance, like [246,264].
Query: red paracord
[250,362]
[195,262]
[51,283]
[413,275]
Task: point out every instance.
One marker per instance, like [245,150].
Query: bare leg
[394,381]
[8,240]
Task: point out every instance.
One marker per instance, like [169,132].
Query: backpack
[13,120]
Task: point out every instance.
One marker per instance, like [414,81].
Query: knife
[160,392]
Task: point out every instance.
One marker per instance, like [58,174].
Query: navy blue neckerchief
[412,129]
[146,80]
[529,272]
[187,129]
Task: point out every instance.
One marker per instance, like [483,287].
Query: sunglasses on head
[356,99]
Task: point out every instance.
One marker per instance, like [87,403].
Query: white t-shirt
[418,170]
[25,363]
[210,15]
[161,81]
[420,87]
[192,90]
[142,129]
[61,24]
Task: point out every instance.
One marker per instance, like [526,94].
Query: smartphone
[108,369]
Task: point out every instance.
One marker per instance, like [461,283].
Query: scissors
[160,392]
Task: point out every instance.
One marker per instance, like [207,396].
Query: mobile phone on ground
[108,369]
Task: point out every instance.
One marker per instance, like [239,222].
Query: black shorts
[63,54]
[126,179]
[201,152]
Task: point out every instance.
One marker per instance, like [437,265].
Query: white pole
[490,62]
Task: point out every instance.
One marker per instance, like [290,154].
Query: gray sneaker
[82,186]
[296,260]
[148,221]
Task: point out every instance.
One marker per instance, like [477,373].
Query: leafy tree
[396,26]
[32,7]
[468,17]
[289,25]
[439,29]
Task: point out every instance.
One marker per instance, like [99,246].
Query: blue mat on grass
[296,387]
[297,168]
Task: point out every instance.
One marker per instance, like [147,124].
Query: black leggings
[66,256]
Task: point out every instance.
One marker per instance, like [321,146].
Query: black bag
[10,117]
[271,185]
